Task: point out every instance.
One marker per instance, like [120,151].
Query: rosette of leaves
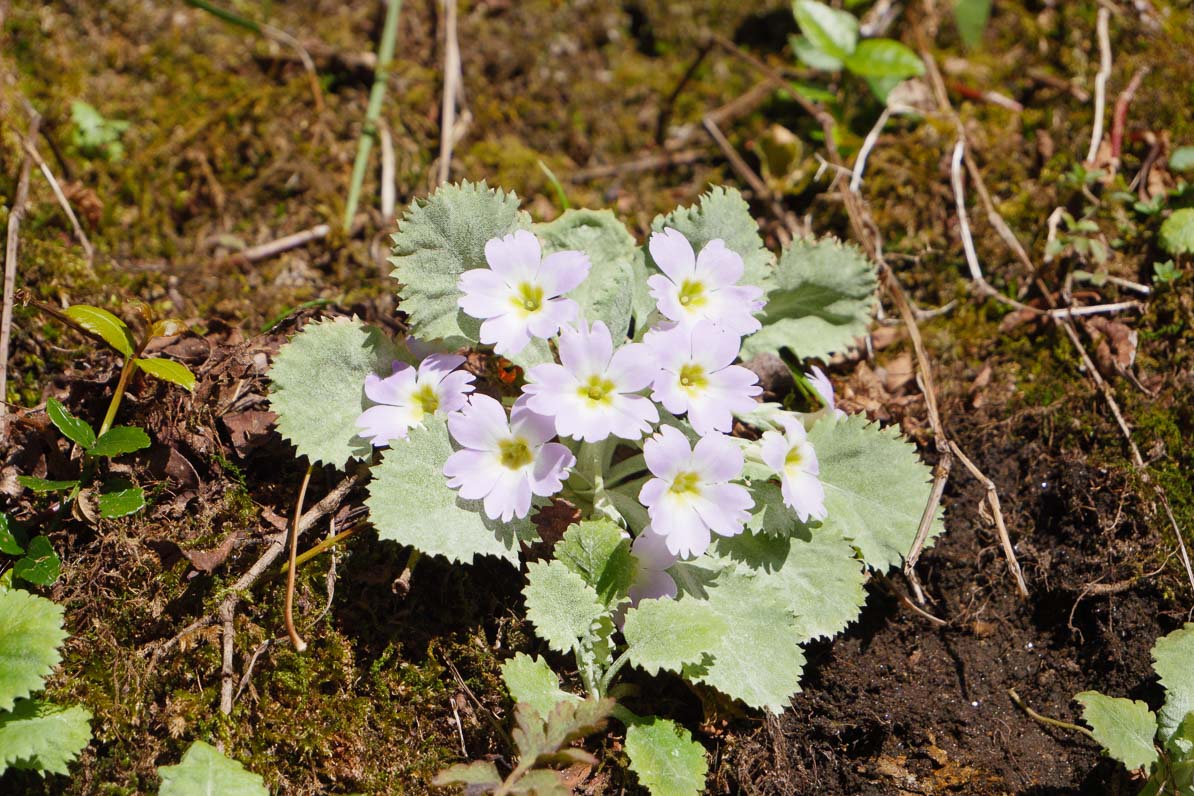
[34,734]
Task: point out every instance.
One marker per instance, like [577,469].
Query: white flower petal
[562,272]
[515,257]
[672,252]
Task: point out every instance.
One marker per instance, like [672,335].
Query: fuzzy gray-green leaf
[43,737]
[722,213]
[1173,661]
[203,771]
[1124,727]
[532,681]
[667,761]
[562,607]
[669,634]
[30,634]
[598,551]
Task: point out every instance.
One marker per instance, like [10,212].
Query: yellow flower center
[692,294]
[424,401]
[792,461]
[692,377]
[596,390]
[686,483]
[527,298]
[515,453]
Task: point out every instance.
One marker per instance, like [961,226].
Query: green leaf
[482,775]
[204,771]
[1182,159]
[168,370]
[599,552]
[607,294]
[74,429]
[541,782]
[30,634]
[1177,233]
[115,503]
[110,329]
[665,758]
[8,541]
[531,681]
[561,606]
[670,634]
[318,387]
[1172,657]
[43,737]
[410,503]
[43,485]
[876,487]
[758,659]
[118,441]
[816,575]
[438,239]
[833,32]
[971,18]
[811,57]
[1124,727]
[884,58]
[821,304]
[539,738]
[723,213]
[40,565]
[882,86]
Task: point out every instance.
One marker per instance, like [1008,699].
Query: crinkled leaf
[115,503]
[203,771]
[168,370]
[821,303]
[758,659]
[107,326]
[31,632]
[477,777]
[41,564]
[118,441]
[8,541]
[1173,661]
[811,57]
[44,485]
[561,606]
[438,239]
[43,737]
[876,487]
[537,737]
[317,387]
[1177,233]
[667,761]
[670,634]
[74,429]
[831,31]
[770,515]
[541,782]
[599,552]
[607,294]
[884,58]
[1124,727]
[816,575]
[971,18]
[723,213]
[532,681]
[410,503]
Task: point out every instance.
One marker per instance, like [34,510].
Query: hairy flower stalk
[408,395]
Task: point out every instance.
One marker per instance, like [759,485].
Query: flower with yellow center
[702,287]
[407,396]
[793,459]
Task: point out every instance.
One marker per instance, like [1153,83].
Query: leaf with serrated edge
[118,441]
[410,503]
[821,302]
[876,487]
[665,758]
[669,634]
[203,770]
[43,737]
[816,574]
[599,552]
[607,294]
[438,239]
[100,322]
[74,429]
[168,370]
[532,681]
[1124,727]
[40,565]
[122,502]
[317,387]
[758,659]
[31,632]
[541,782]
[561,606]
[723,213]
[481,774]
[1173,661]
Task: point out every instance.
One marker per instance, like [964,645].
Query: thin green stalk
[227,16]
[377,95]
[1065,725]
[322,547]
[118,396]
[554,182]
[608,678]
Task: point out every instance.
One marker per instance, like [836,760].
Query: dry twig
[1005,540]
[15,214]
[452,79]
[1100,108]
[31,149]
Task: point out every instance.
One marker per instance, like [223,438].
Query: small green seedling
[1166,273]
[35,559]
[204,770]
[1177,233]
[1081,237]
[96,136]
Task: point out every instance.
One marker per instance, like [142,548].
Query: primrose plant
[717,534]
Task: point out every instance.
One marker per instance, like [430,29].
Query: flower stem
[608,678]
[295,639]
[323,546]
[118,396]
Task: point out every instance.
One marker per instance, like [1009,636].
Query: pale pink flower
[702,287]
[792,457]
[408,395]
[653,558]
[824,388]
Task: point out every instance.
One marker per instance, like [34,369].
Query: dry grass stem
[1100,100]
[15,214]
[1005,540]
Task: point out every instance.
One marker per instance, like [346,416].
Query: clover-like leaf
[118,441]
[607,294]
[821,302]
[43,737]
[1124,727]
[438,239]
[670,634]
[74,429]
[410,503]
[203,771]
[876,488]
[318,387]
[41,564]
[831,31]
[532,681]
[107,326]
[722,213]
[168,370]
[31,632]
[562,607]
[1173,661]
[44,485]
[599,552]
[667,761]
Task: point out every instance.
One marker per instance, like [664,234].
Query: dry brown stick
[1100,108]
[452,75]
[15,214]
[387,170]
[646,163]
[790,226]
[84,241]
[288,608]
[1005,540]
[275,247]
[1119,118]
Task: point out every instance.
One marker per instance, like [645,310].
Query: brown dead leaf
[898,373]
[248,429]
[1115,345]
[208,560]
[167,462]
[979,385]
